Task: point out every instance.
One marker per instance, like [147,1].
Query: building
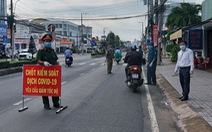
[199,36]
[3,11]
[86,32]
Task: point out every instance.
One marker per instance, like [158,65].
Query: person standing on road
[109,59]
[46,56]
[151,65]
[185,65]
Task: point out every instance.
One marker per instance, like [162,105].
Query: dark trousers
[55,100]
[109,65]
[151,75]
[184,74]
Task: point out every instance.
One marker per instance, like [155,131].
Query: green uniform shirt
[48,55]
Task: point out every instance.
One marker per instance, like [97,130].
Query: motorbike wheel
[134,89]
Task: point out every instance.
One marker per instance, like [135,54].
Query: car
[24,54]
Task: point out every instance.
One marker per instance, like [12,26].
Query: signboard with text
[3,33]
[41,81]
[195,39]
[155,34]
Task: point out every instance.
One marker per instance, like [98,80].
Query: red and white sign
[41,81]
[155,34]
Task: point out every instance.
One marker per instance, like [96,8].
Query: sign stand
[61,108]
[23,107]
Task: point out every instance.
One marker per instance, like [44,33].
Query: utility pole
[82,37]
[12,28]
[160,9]
[150,19]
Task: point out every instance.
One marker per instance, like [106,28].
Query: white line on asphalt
[125,64]
[82,74]
[83,63]
[92,64]
[63,83]
[151,110]
[20,102]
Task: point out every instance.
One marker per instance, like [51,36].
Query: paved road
[96,102]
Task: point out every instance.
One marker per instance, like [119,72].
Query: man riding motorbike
[132,58]
[118,55]
[68,54]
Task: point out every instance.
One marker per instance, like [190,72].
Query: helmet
[133,47]
[47,37]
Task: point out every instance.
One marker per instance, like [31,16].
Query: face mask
[48,45]
[182,47]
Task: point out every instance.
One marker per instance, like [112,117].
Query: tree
[117,41]
[32,49]
[110,40]
[186,14]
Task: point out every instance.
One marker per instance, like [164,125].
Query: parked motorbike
[134,78]
[68,61]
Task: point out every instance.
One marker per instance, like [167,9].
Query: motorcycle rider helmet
[133,47]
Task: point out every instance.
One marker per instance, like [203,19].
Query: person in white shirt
[185,65]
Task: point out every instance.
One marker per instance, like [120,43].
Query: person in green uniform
[109,59]
[46,56]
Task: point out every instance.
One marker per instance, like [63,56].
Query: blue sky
[127,29]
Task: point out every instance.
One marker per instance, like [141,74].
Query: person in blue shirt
[151,65]
[68,54]
[117,54]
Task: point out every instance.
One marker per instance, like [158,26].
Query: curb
[188,119]
[10,70]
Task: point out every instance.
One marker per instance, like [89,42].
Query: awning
[176,35]
[66,42]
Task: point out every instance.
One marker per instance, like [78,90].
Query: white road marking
[20,102]
[125,64]
[92,64]
[82,74]
[153,119]
[63,83]
[83,63]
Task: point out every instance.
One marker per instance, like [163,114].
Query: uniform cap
[47,37]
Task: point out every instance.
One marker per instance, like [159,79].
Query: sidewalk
[200,97]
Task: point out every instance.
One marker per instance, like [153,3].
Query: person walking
[185,65]
[46,56]
[109,60]
[151,66]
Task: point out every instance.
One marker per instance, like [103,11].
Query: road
[97,102]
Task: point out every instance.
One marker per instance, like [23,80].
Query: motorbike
[68,61]
[134,77]
[118,58]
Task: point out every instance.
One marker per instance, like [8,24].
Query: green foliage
[169,47]
[96,52]
[174,52]
[74,49]
[113,40]
[186,14]
[9,64]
